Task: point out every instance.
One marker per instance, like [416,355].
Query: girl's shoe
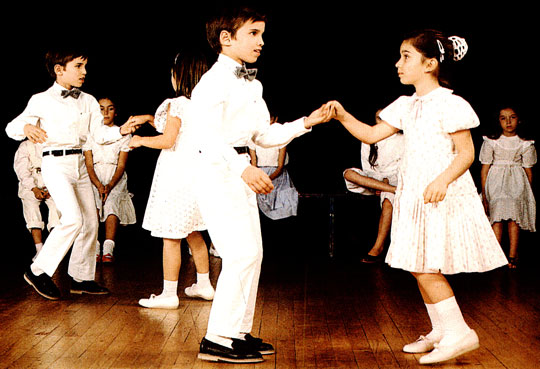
[443,353]
[421,345]
[370,259]
[108,258]
[206,293]
[160,302]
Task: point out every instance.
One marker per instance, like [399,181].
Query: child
[282,202]
[439,226]
[229,111]
[507,159]
[378,176]
[32,192]
[172,212]
[62,118]
[106,166]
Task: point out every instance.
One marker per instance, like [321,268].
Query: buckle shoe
[240,352]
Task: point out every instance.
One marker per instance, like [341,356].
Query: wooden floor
[319,312]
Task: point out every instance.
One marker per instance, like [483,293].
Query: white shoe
[443,353]
[206,293]
[421,345]
[160,302]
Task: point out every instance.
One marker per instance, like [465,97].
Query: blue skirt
[282,202]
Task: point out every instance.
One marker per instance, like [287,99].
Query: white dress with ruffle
[450,236]
[508,190]
[105,158]
[172,211]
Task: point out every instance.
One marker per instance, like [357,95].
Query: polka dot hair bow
[460,47]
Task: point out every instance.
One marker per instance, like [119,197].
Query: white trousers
[67,180]
[229,209]
[32,212]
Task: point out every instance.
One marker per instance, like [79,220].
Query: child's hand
[137,120]
[435,191]
[136,141]
[257,180]
[337,109]
[321,115]
[35,134]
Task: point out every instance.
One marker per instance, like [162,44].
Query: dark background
[313,53]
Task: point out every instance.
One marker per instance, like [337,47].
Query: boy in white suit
[61,118]
[228,111]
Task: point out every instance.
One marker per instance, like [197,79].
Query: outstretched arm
[362,131]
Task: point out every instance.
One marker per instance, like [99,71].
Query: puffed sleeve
[458,115]
[486,151]
[160,117]
[394,112]
[529,155]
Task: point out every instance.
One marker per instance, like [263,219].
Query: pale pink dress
[453,235]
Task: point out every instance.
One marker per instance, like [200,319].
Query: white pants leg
[229,209]
[67,180]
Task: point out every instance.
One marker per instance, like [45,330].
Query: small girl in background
[378,176]
[439,225]
[172,212]
[507,159]
[282,202]
[106,166]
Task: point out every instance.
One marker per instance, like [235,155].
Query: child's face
[108,111]
[509,120]
[73,74]
[412,67]
[246,45]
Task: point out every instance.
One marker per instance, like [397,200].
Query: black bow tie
[243,72]
[74,92]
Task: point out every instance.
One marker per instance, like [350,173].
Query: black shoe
[239,353]
[371,259]
[258,345]
[43,284]
[89,287]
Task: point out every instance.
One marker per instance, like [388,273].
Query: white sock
[203,279]
[453,325]
[35,270]
[170,288]
[436,328]
[220,340]
[38,247]
[98,248]
[108,247]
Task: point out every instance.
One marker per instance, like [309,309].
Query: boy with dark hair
[228,111]
[61,118]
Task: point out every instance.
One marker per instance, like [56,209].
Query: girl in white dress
[507,160]
[106,166]
[378,176]
[172,212]
[439,225]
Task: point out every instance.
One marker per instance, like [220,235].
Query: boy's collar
[227,60]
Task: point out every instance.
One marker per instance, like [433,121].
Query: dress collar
[439,91]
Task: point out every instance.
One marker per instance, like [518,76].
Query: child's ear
[431,65]
[58,69]
[225,38]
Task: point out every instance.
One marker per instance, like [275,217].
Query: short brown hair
[229,20]
[62,57]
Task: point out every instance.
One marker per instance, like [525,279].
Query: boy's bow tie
[74,92]
[243,72]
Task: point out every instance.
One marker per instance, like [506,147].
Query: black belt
[62,152]
[242,149]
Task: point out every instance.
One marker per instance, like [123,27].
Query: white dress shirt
[228,111]
[67,121]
